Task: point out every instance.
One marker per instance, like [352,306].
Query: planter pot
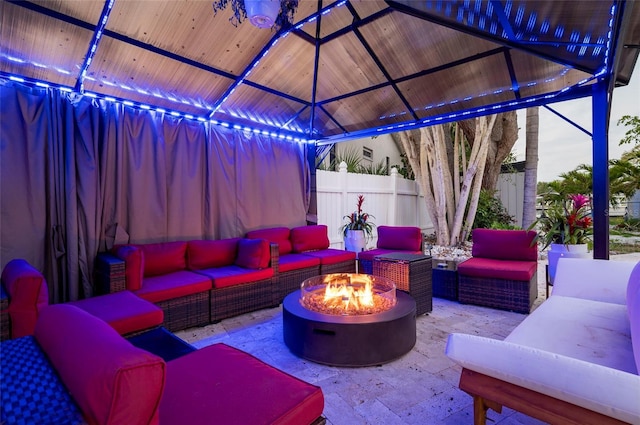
[557,251]
[355,241]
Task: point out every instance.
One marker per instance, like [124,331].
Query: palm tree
[530,169]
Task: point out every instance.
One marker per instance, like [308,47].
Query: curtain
[78,175]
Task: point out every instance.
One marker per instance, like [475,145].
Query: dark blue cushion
[31,391]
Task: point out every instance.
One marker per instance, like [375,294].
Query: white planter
[355,241]
[557,251]
[262,13]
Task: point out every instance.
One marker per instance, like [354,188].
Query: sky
[561,146]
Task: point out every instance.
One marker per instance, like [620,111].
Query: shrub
[491,214]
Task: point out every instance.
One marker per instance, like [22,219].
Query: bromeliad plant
[358,220]
[566,221]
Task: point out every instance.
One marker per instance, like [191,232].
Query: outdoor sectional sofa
[303,252]
[201,281]
[77,369]
[574,360]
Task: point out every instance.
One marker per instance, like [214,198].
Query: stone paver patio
[419,388]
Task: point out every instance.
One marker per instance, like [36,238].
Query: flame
[352,296]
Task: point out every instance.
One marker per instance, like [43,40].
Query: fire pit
[349,320]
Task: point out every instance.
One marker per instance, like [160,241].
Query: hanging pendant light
[262,13]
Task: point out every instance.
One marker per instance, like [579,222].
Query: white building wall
[382,147]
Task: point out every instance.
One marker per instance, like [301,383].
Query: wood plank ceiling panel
[365,8]
[345,66]
[370,109]
[484,80]
[87,11]
[407,45]
[288,68]
[41,47]
[191,30]
[117,63]
[322,122]
[262,107]
[537,76]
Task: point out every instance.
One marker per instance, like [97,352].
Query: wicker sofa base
[513,295]
[290,281]
[343,267]
[244,298]
[185,312]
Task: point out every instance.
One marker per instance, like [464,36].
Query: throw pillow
[253,253]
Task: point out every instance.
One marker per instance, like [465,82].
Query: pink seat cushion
[253,253]
[223,277]
[219,384]
[163,258]
[504,244]
[133,265]
[498,269]
[372,253]
[279,235]
[112,381]
[633,308]
[291,262]
[28,295]
[399,238]
[309,238]
[124,311]
[173,285]
[216,253]
[332,256]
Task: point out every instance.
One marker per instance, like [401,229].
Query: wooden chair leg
[480,407]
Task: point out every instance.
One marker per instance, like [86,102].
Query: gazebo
[338,70]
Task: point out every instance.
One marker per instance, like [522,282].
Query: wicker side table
[411,273]
[5,324]
[109,273]
[445,279]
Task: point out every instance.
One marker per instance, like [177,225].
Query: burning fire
[348,294]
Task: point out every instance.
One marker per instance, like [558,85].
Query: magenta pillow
[164,258]
[633,308]
[253,253]
[504,244]
[28,295]
[211,253]
[398,237]
[133,265]
[279,235]
[112,381]
[309,238]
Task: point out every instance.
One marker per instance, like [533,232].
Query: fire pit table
[349,320]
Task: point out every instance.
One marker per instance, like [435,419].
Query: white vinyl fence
[391,200]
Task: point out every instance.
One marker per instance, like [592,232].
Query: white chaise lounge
[574,360]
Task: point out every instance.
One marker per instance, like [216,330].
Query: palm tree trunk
[530,169]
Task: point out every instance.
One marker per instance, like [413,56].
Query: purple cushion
[133,265]
[235,275]
[291,262]
[163,258]
[215,253]
[112,381]
[223,385]
[124,311]
[498,269]
[399,238]
[309,238]
[279,235]
[28,295]
[504,244]
[633,308]
[173,285]
[253,253]
[332,256]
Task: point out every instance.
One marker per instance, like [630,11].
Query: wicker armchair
[405,239]
[503,271]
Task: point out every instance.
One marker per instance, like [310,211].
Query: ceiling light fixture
[261,13]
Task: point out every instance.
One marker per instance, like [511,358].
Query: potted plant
[357,229]
[261,13]
[566,228]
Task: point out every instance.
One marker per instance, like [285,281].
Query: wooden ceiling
[344,69]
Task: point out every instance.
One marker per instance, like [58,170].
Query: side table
[411,273]
[445,279]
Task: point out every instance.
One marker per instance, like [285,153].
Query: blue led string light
[93,45]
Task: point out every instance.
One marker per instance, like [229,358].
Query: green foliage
[358,220]
[491,214]
[351,157]
[378,169]
[566,219]
[405,169]
[629,225]
[632,136]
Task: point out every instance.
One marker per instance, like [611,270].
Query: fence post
[393,216]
